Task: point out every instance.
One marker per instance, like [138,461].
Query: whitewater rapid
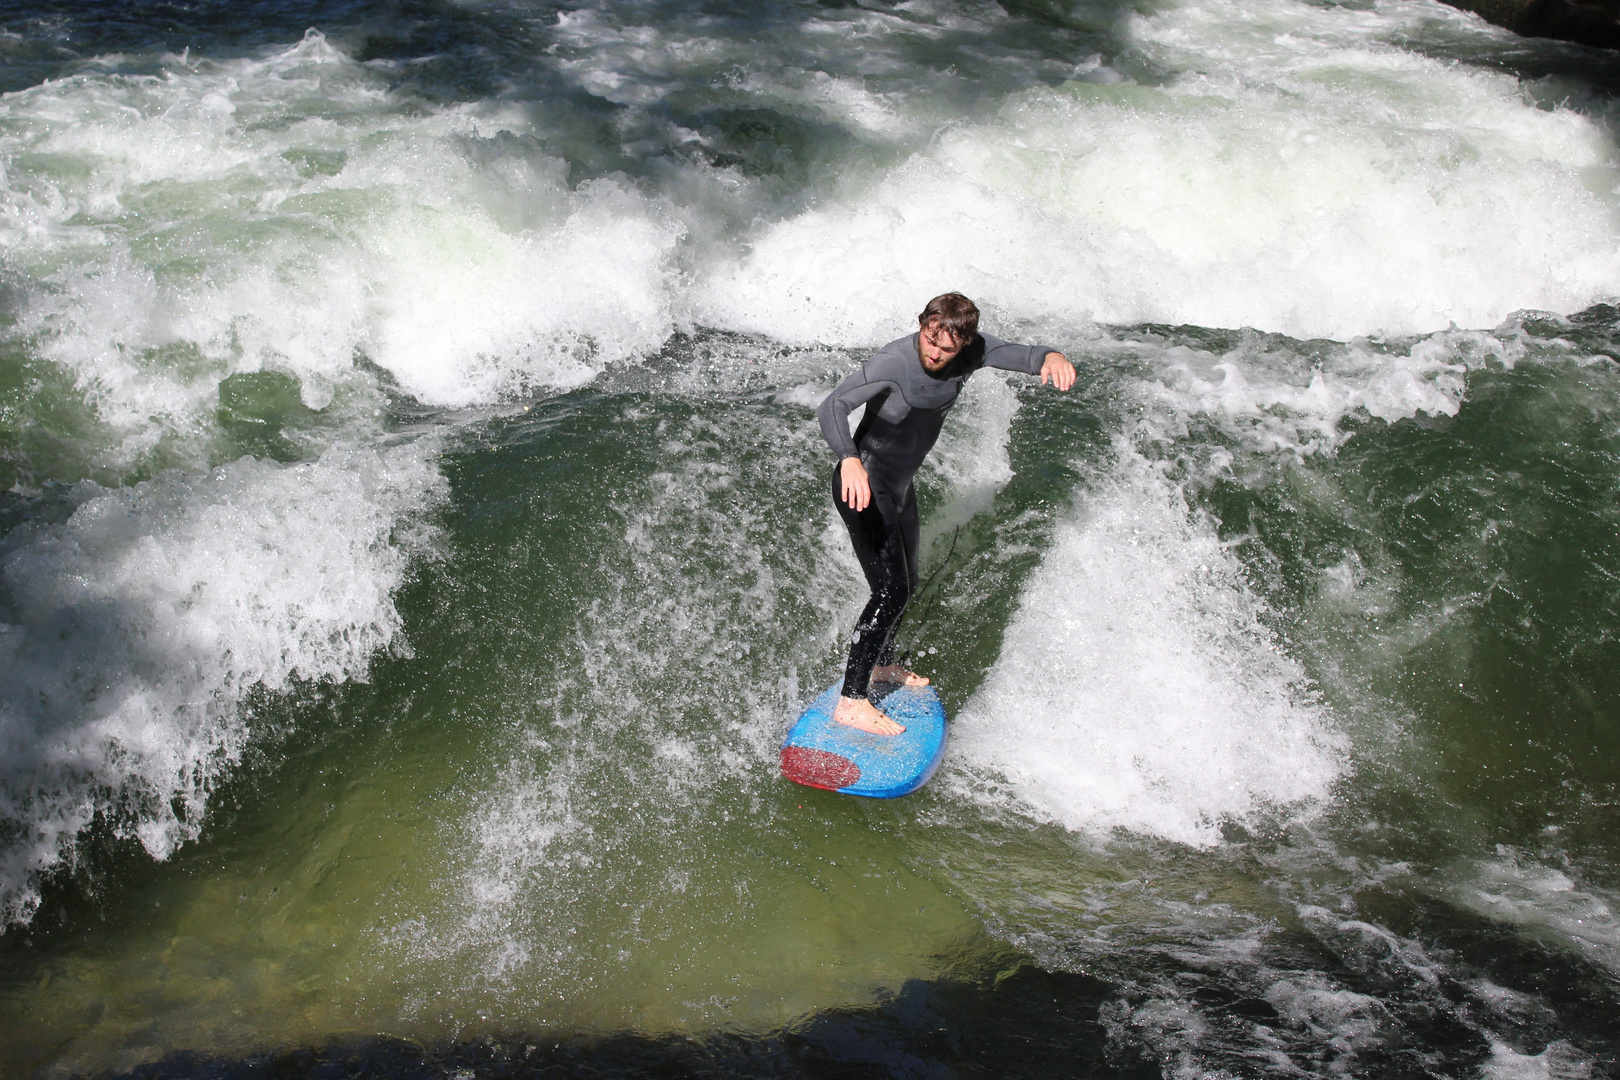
[261,302]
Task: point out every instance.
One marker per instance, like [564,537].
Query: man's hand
[1057,369]
[857,489]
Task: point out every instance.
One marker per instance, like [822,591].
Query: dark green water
[418,541]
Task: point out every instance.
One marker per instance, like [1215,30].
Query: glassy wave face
[416,538]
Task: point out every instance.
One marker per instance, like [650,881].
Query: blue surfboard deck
[819,752]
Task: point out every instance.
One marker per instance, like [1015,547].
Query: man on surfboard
[908,387]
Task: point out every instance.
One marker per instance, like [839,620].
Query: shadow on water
[1019,1022]
[1009,1017]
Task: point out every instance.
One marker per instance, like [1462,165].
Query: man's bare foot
[862,715]
[894,673]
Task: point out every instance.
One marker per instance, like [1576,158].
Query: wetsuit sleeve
[1010,357]
[845,398]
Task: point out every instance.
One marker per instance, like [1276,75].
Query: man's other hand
[857,489]
[1057,370]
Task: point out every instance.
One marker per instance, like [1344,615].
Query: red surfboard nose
[817,768]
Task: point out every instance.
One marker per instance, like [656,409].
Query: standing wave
[132,633]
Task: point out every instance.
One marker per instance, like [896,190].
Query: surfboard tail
[818,768]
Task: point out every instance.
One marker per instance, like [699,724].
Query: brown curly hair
[953,313]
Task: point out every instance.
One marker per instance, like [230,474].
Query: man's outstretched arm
[1051,365]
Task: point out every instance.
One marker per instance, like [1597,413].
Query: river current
[416,540]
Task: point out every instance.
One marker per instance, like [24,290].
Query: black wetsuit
[906,406]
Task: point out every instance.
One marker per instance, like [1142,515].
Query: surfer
[908,387]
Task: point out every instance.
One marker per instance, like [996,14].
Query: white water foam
[291,212]
[1559,1060]
[225,209]
[134,631]
[1137,687]
[1299,175]
[1325,1024]
[971,459]
[1542,902]
[1275,398]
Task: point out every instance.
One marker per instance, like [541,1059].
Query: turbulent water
[417,539]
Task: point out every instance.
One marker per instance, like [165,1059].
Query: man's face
[936,346]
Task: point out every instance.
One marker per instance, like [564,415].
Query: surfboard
[819,752]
